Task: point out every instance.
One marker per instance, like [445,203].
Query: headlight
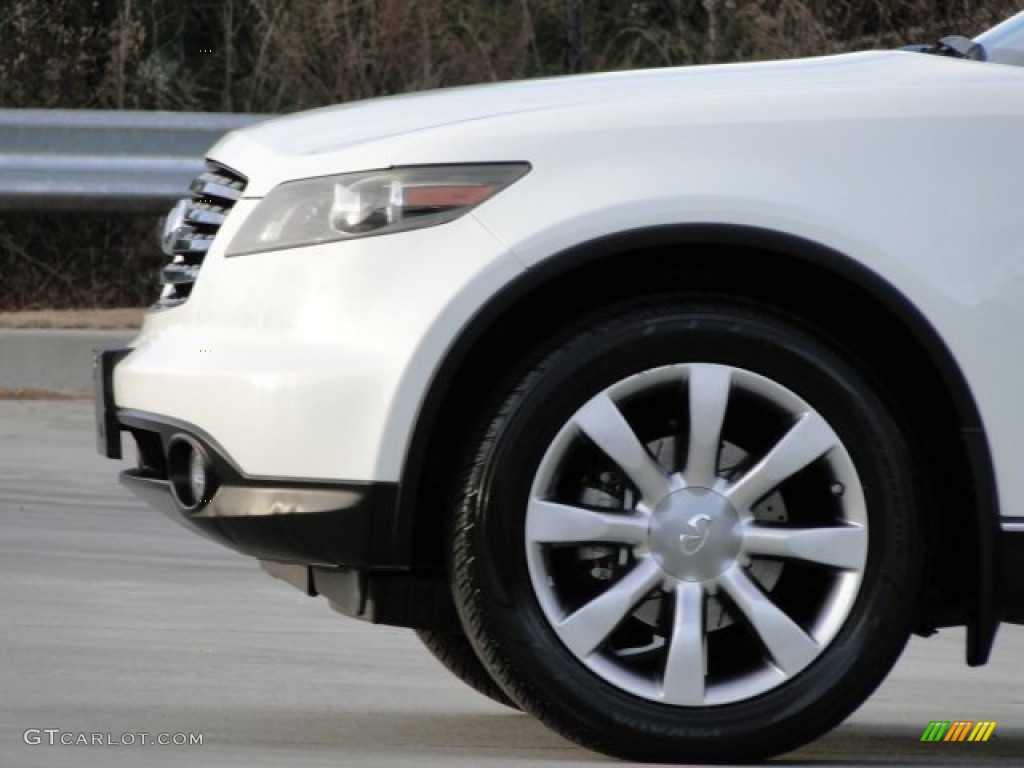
[331,208]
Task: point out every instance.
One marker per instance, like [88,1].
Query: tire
[456,654]
[657,607]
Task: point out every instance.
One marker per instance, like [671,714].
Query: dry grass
[77,260]
[90,319]
[283,55]
[30,393]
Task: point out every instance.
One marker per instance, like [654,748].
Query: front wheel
[688,534]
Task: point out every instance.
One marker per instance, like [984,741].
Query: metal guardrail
[86,160]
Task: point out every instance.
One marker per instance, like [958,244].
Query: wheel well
[880,329]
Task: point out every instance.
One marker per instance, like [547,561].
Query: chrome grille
[191,227]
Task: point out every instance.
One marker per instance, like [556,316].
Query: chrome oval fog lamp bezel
[190,473]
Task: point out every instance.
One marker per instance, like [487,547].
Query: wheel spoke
[810,438]
[584,630]
[604,423]
[709,396]
[549,522]
[683,682]
[840,547]
[786,642]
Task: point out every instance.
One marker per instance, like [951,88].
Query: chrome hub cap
[696,534]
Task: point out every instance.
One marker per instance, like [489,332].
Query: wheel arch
[751,264]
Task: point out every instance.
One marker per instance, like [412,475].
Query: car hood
[331,128]
[309,143]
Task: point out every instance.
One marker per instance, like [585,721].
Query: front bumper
[344,541]
[348,524]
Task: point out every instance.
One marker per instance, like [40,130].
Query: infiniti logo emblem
[692,543]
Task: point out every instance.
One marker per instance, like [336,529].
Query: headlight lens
[332,208]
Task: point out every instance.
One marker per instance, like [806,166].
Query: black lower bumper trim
[1011,571]
[108,431]
[312,522]
[418,599]
[345,533]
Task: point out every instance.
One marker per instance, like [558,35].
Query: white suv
[665,405]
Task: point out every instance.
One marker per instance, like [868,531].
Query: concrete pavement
[114,620]
[52,360]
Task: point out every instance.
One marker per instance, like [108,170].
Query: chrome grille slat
[209,216]
[179,274]
[190,243]
[216,186]
[192,226]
